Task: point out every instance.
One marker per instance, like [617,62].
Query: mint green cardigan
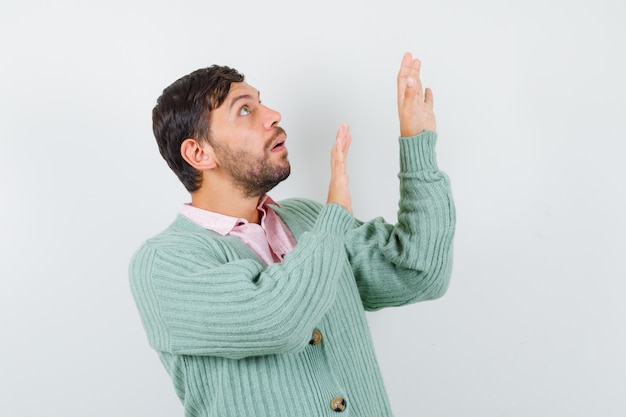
[235,335]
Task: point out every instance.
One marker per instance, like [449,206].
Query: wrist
[417,153]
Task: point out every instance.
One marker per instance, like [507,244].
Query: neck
[229,202]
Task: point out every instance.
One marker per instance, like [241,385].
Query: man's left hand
[415,105]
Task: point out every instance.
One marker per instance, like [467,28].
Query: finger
[416,67]
[405,66]
[347,139]
[409,82]
[404,74]
[338,152]
[410,69]
[413,93]
[343,134]
[429,98]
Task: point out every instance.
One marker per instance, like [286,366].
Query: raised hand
[339,190]
[415,105]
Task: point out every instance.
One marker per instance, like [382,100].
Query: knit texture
[234,334]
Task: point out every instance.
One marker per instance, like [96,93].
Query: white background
[530,100]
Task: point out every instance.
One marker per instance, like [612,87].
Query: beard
[255,175]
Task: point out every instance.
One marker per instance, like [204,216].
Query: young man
[257,308]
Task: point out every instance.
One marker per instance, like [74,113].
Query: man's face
[248,143]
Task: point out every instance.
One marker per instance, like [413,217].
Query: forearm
[239,308]
[411,260]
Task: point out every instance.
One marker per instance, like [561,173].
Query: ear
[201,157]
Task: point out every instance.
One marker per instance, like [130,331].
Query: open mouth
[280,144]
[278,140]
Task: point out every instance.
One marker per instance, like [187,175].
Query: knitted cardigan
[235,335]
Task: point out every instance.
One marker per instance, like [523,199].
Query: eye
[245,110]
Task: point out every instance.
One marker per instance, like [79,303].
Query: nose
[272,118]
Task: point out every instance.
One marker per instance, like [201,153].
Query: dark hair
[183,112]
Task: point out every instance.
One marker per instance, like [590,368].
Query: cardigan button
[316,338]
[338,404]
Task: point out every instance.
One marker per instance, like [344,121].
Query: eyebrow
[242,97]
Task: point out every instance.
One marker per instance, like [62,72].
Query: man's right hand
[339,190]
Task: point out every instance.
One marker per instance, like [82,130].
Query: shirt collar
[221,223]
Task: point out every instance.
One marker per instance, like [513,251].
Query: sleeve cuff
[417,153]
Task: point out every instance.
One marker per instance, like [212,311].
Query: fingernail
[410,82]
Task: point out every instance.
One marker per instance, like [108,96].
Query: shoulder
[302,206]
[180,230]
[299,214]
[181,238]
[185,249]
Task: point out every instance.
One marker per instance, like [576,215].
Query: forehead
[239,91]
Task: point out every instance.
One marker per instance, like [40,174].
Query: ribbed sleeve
[195,302]
[411,260]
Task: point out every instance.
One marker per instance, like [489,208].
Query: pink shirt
[271,240]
